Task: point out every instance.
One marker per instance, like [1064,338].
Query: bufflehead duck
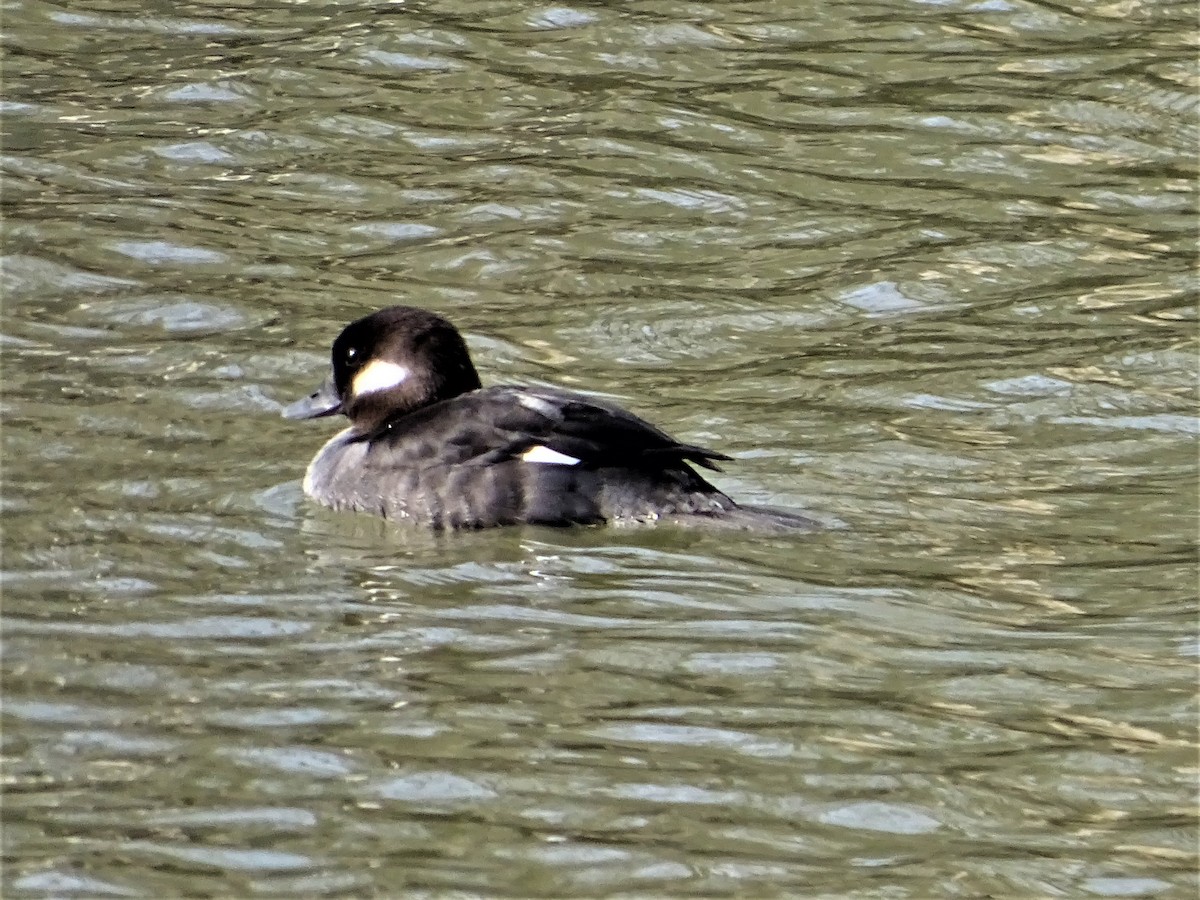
[429,444]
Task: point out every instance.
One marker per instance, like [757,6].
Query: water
[925,269]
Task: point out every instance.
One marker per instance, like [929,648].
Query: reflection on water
[925,270]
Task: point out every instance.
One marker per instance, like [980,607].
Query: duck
[429,445]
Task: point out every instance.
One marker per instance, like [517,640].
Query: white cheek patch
[378,376]
[540,454]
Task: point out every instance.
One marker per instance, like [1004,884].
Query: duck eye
[350,355]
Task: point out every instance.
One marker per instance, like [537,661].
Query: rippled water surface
[925,269]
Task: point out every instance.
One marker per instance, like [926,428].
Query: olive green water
[925,269]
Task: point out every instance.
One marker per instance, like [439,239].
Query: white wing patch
[539,406]
[540,454]
[378,375]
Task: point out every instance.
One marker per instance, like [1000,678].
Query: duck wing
[541,425]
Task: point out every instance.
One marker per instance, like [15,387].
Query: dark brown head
[391,362]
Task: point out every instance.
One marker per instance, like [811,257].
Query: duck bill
[324,401]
